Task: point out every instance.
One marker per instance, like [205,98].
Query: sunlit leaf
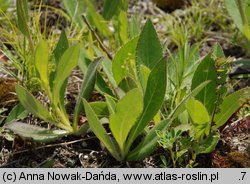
[126,113]
[100,132]
[34,132]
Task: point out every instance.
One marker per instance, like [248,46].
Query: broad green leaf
[110,8]
[68,61]
[22,16]
[123,59]
[86,89]
[74,9]
[32,105]
[200,117]
[126,113]
[153,99]
[18,112]
[111,104]
[149,143]
[204,72]
[149,50]
[42,61]
[230,105]
[61,47]
[197,111]
[234,12]
[208,144]
[34,132]
[100,132]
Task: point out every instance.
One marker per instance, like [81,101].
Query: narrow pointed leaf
[100,132]
[87,88]
[18,112]
[32,105]
[111,104]
[126,113]
[110,8]
[42,61]
[61,47]
[68,61]
[22,15]
[230,105]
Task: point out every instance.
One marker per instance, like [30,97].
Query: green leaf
[110,8]
[32,105]
[197,111]
[247,10]
[127,84]
[122,26]
[74,9]
[61,47]
[204,72]
[234,12]
[230,105]
[122,60]
[97,20]
[208,144]
[34,132]
[181,107]
[153,99]
[145,72]
[126,113]
[68,61]
[149,50]
[18,112]
[134,26]
[200,117]
[22,15]
[218,51]
[100,109]
[149,143]
[100,132]
[86,89]
[42,61]
[101,86]
[107,68]
[111,104]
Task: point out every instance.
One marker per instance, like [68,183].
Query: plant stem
[97,38]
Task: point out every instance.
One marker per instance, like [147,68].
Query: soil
[233,149]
